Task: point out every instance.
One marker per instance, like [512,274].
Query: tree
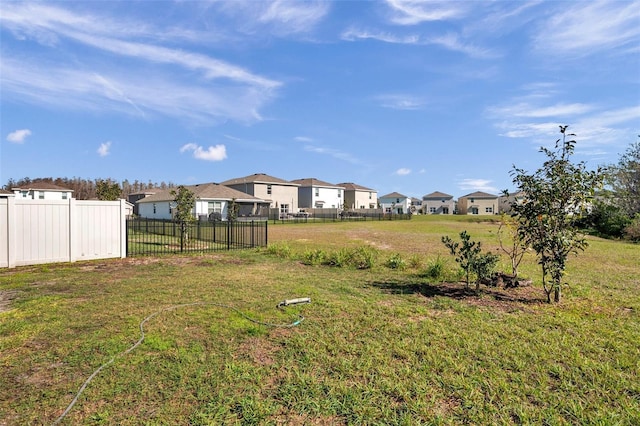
[555,196]
[185,201]
[517,248]
[625,180]
[107,190]
[232,210]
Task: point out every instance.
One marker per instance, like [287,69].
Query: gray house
[438,203]
[317,194]
[279,193]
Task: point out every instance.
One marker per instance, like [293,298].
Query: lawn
[376,346]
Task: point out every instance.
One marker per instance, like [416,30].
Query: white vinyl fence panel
[47,231]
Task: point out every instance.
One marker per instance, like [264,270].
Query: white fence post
[73,230]
[123,228]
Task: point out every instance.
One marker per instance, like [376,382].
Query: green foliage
[632,231]
[361,257]
[107,190]
[415,261]
[555,198]
[396,262]
[232,210]
[483,266]
[465,252]
[436,269]
[279,249]
[605,220]
[185,201]
[314,257]
[511,241]
[625,180]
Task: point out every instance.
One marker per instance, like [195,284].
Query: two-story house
[279,193]
[395,203]
[480,203]
[438,203]
[317,194]
[359,197]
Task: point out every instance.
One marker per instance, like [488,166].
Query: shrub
[396,262]
[364,257]
[338,258]
[632,231]
[415,261]
[279,249]
[436,269]
[314,257]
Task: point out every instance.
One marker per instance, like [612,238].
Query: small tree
[464,253]
[625,180]
[107,190]
[232,210]
[511,242]
[185,201]
[555,195]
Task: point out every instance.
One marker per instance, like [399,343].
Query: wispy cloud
[403,171]
[400,102]
[303,139]
[290,16]
[19,136]
[104,149]
[212,153]
[483,185]
[582,28]
[217,90]
[412,12]
[337,154]
[353,34]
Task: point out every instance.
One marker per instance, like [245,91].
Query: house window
[474,210]
[488,210]
[339,193]
[397,200]
[214,207]
[64,195]
[154,208]
[284,210]
[317,192]
[369,195]
[445,210]
[432,209]
[25,194]
[471,200]
[41,195]
[387,209]
[268,189]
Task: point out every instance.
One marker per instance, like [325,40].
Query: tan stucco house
[359,197]
[279,193]
[480,203]
[438,203]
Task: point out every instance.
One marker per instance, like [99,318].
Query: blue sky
[405,96]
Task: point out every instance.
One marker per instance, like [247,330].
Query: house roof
[205,191]
[394,195]
[41,186]
[5,192]
[479,194]
[307,182]
[437,194]
[258,178]
[350,186]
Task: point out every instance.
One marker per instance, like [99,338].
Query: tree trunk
[557,293]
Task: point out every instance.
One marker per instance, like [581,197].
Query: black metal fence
[155,236]
[334,215]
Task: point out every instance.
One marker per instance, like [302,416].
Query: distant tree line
[86,189]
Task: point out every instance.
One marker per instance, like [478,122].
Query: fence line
[156,236]
[334,215]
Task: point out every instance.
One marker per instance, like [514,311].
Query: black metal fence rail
[333,217]
[154,236]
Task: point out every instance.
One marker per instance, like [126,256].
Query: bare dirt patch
[6,297]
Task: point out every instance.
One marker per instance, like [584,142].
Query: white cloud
[303,139]
[401,102]
[293,16]
[354,34]
[412,12]
[403,171]
[19,136]
[483,185]
[104,149]
[583,28]
[340,155]
[213,153]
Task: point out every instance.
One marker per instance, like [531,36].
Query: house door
[474,210]
[284,210]
[445,210]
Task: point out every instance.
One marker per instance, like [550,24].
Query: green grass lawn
[377,346]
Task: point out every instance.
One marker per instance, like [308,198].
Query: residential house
[317,194]
[279,193]
[505,203]
[359,197]
[42,191]
[212,203]
[5,193]
[438,203]
[479,203]
[395,203]
[134,197]
[416,205]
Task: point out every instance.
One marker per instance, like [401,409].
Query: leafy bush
[605,220]
[632,231]
[415,261]
[279,249]
[364,257]
[314,257]
[436,269]
[396,262]
[338,258]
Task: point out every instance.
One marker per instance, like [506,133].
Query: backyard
[392,344]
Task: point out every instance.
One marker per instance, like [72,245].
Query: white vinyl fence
[47,231]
